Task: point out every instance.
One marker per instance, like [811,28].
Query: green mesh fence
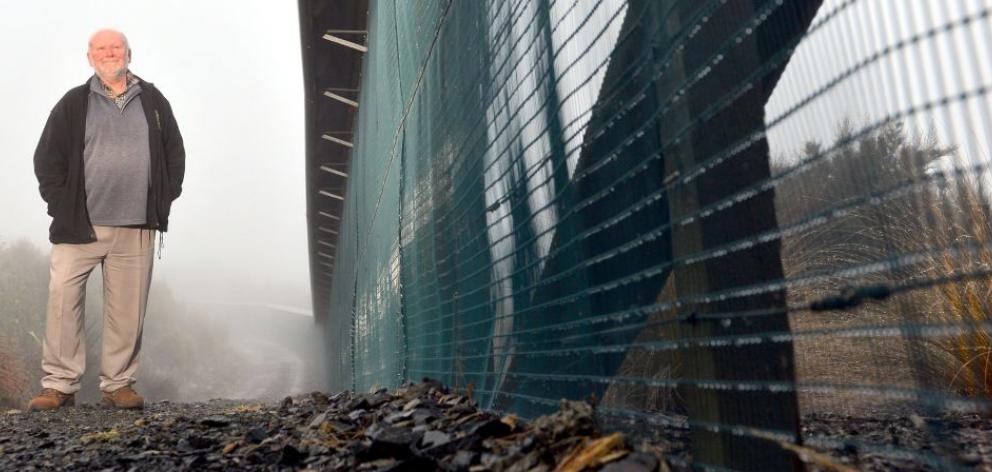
[718,217]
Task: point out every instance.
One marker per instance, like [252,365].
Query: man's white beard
[115,73]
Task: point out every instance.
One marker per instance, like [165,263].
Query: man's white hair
[127,45]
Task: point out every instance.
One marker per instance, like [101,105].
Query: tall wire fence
[718,217]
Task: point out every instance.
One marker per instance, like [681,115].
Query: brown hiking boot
[51,399]
[124,398]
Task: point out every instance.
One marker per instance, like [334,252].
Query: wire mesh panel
[754,222]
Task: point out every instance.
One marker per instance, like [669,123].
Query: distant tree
[899,196]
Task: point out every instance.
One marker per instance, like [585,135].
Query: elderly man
[109,163]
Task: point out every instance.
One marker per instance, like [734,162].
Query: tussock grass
[934,215]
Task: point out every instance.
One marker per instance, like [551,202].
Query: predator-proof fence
[720,217]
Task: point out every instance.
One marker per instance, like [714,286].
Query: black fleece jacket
[58,164]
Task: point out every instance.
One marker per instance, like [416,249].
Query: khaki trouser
[126,258]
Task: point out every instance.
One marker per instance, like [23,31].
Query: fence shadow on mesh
[754,224]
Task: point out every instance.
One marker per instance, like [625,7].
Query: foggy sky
[231,69]
[893,73]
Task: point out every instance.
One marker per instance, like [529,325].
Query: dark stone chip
[319,450]
[357,403]
[391,442]
[256,435]
[461,410]
[291,455]
[73,449]
[421,389]
[970,458]
[200,442]
[356,414]
[317,420]
[493,428]
[398,417]
[341,426]
[413,464]
[195,462]
[464,459]
[634,462]
[359,448]
[379,399]
[130,458]
[528,443]
[423,416]
[184,445]
[255,457]
[470,442]
[850,449]
[216,421]
[320,399]
[434,438]
[317,461]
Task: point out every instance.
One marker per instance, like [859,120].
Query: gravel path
[419,427]
[425,427]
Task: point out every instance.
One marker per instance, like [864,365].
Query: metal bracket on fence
[332,195]
[851,297]
[328,215]
[334,139]
[334,171]
[340,98]
[327,230]
[334,38]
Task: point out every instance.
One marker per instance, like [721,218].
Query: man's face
[108,55]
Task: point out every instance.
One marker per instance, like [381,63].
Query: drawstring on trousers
[161,244]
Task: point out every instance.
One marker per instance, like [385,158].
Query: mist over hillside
[192,349]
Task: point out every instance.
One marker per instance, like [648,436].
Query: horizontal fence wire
[722,218]
[897,261]
[763,186]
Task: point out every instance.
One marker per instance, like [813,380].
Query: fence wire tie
[692,319]
[850,297]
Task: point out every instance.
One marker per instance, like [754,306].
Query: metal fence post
[730,427]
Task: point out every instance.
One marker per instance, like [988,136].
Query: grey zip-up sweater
[59,166]
[116,157]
